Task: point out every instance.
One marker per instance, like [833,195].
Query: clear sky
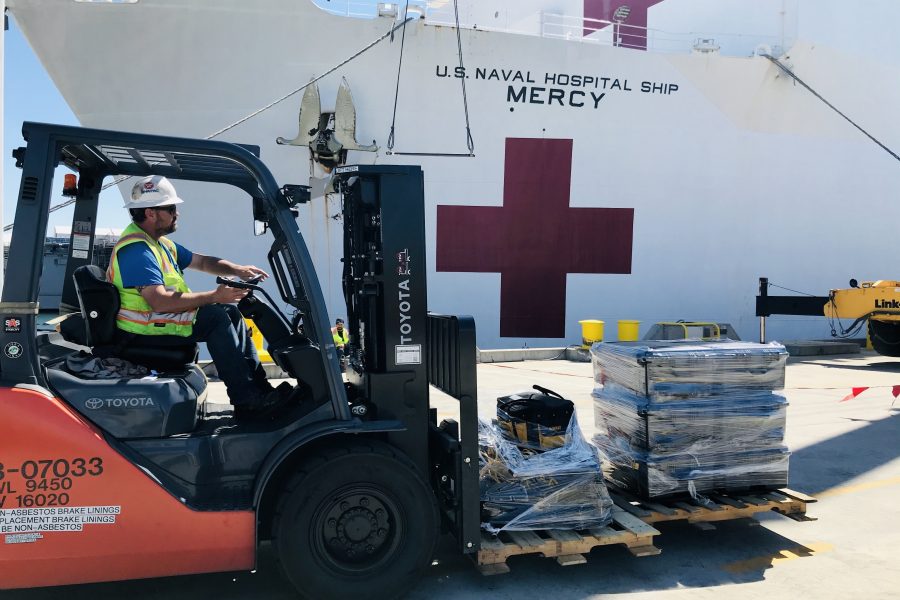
[29,95]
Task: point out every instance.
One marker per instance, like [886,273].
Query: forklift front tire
[355,521]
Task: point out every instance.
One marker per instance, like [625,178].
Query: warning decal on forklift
[408,355]
[82,227]
[62,519]
[81,242]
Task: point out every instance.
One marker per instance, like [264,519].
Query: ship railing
[597,31]
[561,26]
[349,8]
[617,33]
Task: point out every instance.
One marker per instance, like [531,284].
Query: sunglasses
[169,209]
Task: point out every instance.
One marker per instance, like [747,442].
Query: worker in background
[340,336]
[147,268]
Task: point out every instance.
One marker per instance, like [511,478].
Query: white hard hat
[152,191]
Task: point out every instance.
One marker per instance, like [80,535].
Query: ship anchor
[328,135]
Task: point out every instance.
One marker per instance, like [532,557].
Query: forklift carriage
[111,479]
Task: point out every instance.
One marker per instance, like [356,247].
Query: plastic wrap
[686,416]
[653,475]
[678,367]
[741,419]
[725,443]
[561,488]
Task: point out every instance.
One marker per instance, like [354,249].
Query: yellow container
[591,331]
[628,330]
[258,341]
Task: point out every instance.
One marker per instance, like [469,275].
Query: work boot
[258,405]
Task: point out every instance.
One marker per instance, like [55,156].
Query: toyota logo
[93,403]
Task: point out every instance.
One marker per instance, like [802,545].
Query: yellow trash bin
[628,330]
[591,331]
[258,341]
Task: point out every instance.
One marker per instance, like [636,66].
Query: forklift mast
[385,290]
[398,349]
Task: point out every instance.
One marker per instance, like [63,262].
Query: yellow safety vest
[135,314]
[338,340]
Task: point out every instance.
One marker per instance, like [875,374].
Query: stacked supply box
[683,416]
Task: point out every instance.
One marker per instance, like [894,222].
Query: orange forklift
[127,478]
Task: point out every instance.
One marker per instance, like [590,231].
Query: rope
[359,53]
[470,143]
[390,140]
[790,290]
[833,322]
[829,104]
[315,80]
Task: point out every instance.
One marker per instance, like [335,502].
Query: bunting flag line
[854,392]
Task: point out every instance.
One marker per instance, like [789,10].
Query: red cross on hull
[535,239]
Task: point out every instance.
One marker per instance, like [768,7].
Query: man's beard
[167,230]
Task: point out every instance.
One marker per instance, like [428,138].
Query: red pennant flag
[895,391]
[854,392]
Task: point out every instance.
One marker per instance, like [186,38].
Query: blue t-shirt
[138,266]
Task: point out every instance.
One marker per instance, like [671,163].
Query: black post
[763,292]
[84,230]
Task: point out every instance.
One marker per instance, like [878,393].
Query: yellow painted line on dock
[759,563]
[858,487]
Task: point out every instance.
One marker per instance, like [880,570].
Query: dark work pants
[222,327]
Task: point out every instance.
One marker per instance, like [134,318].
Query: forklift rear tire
[356,521]
[885,337]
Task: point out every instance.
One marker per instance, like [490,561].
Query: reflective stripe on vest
[135,314]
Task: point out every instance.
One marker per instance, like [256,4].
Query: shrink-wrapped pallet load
[529,489]
[676,417]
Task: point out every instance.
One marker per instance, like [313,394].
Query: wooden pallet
[567,547]
[720,507]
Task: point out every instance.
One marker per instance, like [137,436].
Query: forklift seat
[99,300]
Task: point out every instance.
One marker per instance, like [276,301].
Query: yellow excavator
[874,304]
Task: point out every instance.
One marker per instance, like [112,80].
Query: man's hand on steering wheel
[250,272]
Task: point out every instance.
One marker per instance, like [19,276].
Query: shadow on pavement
[834,461]
[875,367]
[734,553]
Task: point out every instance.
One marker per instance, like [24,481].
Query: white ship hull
[721,169]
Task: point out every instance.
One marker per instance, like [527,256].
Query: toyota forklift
[128,478]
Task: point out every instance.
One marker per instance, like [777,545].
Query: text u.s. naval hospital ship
[610,159]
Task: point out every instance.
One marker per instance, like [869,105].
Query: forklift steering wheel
[249,284]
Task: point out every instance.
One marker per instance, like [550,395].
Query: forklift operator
[146,268]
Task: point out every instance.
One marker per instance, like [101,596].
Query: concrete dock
[844,453]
